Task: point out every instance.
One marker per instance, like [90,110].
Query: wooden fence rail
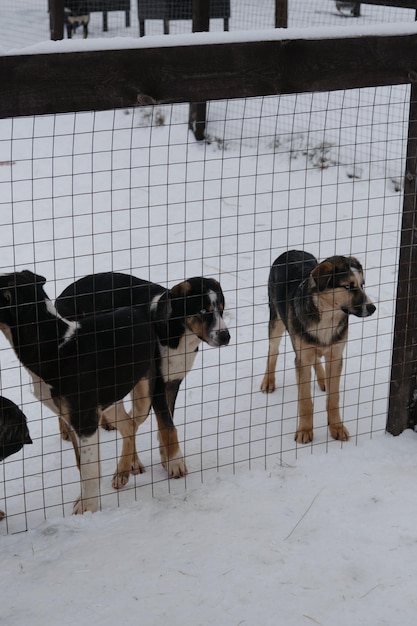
[208,70]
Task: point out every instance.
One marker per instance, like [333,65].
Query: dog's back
[105,292]
[287,272]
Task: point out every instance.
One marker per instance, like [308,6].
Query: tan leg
[106,424]
[171,456]
[64,429]
[305,359]
[334,366]
[163,403]
[276,330]
[127,425]
[320,374]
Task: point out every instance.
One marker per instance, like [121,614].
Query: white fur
[175,363]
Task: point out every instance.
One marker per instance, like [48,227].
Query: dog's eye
[203,311]
[350,286]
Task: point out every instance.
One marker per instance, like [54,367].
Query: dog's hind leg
[88,446]
[127,424]
[276,330]
[163,403]
[334,366]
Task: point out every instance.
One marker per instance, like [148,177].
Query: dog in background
[182,317]
[75,15]
[313,301]
[79,368]
[14,433]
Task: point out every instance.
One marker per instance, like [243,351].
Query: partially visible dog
[182,317]
[14,433]
[313,301]
[78,368]
[75,15]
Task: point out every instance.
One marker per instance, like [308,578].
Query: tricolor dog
[78,368]
[313,301]
[182,317]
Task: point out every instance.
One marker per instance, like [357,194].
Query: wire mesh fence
[26,22]
[132,191]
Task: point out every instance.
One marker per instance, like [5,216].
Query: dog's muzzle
[365,310]
[218,338]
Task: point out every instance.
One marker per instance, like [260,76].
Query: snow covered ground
[261,531]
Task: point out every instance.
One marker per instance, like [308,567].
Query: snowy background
[261,531]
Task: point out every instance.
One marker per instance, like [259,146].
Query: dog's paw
[120,479]
[339,432]
[304,435]
[321,384]
[122,474]
[268,383]
[175,468]
[106,425]
[82,506]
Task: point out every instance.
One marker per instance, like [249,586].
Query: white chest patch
[175,363]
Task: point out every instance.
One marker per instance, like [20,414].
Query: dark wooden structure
[167,10]
[399,4]
[56,13]
[105,6]
[111,79]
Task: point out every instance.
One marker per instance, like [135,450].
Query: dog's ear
[160,313]
[322,274]
[353,262]
[180,291]
[34,278]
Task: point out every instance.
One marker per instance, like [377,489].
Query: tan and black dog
[313,301]
[182,317]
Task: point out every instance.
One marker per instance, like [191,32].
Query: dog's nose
[224,337]
[371,308]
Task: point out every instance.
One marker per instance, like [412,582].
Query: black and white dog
[75,15]
[14,433]
[78,368]
[182,317]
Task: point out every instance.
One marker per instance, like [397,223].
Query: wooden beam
[198,110]
[399,4]
[402,411]
[111,79]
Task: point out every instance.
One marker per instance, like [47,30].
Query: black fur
[88,365]
[14,433]
[187,307]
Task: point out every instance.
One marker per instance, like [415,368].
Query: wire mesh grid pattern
[26,22]
[131,191]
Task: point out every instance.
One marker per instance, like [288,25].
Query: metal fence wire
[132,191]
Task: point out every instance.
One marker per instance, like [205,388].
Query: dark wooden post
[198,110]
[402,411]
[281,13]
[56,19]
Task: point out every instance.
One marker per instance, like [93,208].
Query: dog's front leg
[90,474]
[275,331]
[304,361]
[163,403]
[334,366]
